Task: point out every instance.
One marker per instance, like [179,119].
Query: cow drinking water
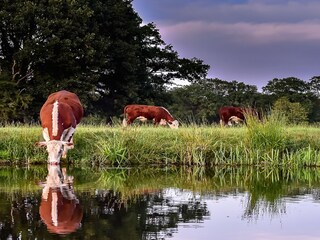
[159,115]
[59,116]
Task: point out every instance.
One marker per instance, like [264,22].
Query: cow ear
[40,144]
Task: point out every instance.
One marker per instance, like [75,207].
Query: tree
[48,46]
[200,101]
[146,78]
[315,85]
[294,112]
[286,86]
[296,90]
[193,103]
[97,49]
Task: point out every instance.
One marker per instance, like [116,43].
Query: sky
[250,41]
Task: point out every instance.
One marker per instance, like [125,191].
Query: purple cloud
[250,41]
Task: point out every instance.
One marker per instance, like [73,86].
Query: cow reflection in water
[59,208]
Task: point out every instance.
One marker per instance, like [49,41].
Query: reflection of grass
[265,186]
[21,179]
[112,179]
[197,179]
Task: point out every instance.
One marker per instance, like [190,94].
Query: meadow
[271,142]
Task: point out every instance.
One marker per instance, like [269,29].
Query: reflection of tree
[150,215]
[267,190]
[163,212]
[110,201]
[20,213]
[265,198]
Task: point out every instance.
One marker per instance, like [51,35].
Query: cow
[158,114]
[229,114]
[59,115]
[59,208]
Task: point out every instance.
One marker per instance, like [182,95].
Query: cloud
[244,32]
[237,11]
[252,41]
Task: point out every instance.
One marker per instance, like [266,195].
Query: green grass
[269,142]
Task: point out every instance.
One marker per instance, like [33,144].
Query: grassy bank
[268,143]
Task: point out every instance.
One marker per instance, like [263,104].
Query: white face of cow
[234,120]
[56,149]
[174,124]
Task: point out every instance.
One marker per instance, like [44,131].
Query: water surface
[159,203]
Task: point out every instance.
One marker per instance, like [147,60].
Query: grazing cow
[59,116]
[59,208]
[159,115]
[229,114]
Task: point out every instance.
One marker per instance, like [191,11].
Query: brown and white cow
[59,116]
[226,112]
[230,114]
[158,114]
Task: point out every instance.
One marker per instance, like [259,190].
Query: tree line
[100,50]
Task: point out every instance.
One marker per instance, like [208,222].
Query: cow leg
[156,121]
[130,120]
[223,122]
[124,122]
[45,134]
[67,136]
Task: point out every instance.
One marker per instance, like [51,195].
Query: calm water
[159,203]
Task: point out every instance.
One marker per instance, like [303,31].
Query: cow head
[174,124]
[56,149]
[163,122]
[234,120]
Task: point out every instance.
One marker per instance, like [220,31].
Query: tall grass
[268,142]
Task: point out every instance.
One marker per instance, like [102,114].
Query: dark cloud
[250,41]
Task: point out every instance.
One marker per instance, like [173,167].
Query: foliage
[296,90]
[200,101]
[294,112]
[286,86]
[97,49]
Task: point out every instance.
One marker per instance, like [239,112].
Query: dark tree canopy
[96,48]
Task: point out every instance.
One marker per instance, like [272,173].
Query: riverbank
[256,144]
